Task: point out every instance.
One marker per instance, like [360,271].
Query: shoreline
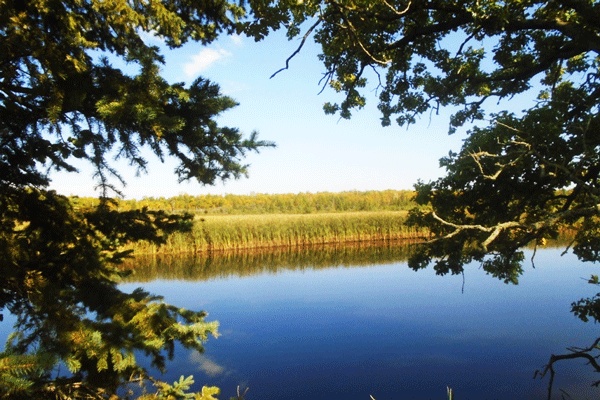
[293,247]
[247,232]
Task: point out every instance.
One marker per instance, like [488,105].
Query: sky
[315,152]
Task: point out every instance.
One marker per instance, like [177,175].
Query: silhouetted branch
[287,62]
[575,352]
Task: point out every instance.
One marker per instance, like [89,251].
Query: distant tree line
[301,203]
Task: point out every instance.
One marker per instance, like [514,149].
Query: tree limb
[403,12]
[306,35]
[575,353]
[358,41]
[478,155]
[493,230]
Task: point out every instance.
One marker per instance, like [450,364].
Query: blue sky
[315,152]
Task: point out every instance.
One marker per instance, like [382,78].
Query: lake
[349,323]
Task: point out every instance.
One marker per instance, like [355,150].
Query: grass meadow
[235,232]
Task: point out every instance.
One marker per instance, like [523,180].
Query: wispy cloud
[151,37]
[237,40]
[204,60]
[208,366]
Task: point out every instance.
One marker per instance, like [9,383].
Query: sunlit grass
[226,232]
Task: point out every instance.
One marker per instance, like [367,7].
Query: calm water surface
[347,324]
[381,329]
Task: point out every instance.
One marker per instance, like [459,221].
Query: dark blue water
[389,332]
[344,332]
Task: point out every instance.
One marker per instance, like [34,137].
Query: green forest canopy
[288,203]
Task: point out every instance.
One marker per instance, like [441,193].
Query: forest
[300,203]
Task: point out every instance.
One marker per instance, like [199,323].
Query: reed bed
[235,232]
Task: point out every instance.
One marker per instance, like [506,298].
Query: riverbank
[236,232]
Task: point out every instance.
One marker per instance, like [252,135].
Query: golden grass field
[229,232]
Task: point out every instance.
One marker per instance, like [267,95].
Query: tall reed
[231,232]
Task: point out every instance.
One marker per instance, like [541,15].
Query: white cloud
[208,366]
[236,39]
[204,60]
[151,37]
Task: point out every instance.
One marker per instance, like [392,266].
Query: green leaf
[208,393]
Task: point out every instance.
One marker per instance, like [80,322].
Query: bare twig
[306,35]
[575,353]
[394,9]
[508,126]
[477,156]
[568,247]
[327,77]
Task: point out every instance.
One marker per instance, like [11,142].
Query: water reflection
[204,266]
[339,323]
